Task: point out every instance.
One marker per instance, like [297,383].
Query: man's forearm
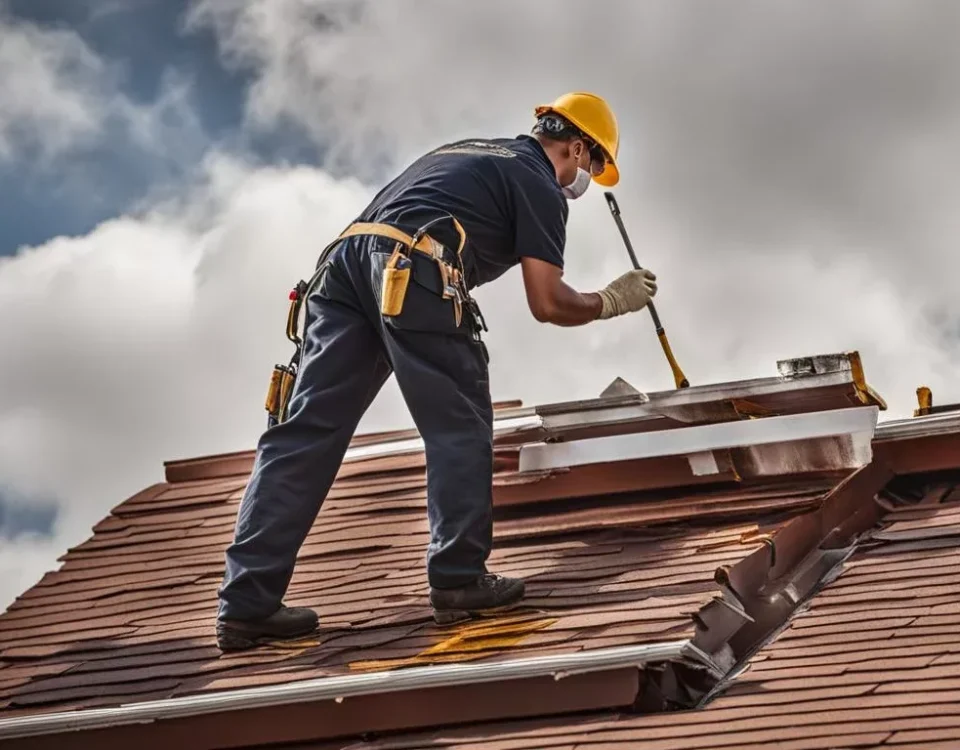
[572,308]
[551,300]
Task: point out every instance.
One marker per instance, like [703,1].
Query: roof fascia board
[858,421]
[340,687]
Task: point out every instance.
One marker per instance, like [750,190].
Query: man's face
[582,154]
[595,158]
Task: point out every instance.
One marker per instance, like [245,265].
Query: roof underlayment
[672,543]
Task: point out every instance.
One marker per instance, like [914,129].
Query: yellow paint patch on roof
[469,642]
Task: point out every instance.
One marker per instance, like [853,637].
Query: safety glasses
[597,158]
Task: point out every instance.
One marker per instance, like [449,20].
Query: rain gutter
[339,687]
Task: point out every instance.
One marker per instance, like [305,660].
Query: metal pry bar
[679,378]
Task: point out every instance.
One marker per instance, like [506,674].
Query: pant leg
[444,382]
[444,379]
[343,367]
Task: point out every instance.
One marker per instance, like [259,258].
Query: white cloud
[783,175]
[754,140]
[153,336]
[59,98]
[52,90]
[22,564]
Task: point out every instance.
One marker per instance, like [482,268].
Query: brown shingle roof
[873,660]
[622,554]
[131,611]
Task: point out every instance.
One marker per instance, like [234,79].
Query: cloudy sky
[168,169]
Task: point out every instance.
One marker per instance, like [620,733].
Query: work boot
[487,594]
[285,624]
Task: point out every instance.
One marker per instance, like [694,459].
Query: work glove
[629,293]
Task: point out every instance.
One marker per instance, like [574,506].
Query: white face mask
[579,185]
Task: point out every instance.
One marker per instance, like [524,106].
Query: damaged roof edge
[339,687]
[798,374]
[702,438]
[526,424]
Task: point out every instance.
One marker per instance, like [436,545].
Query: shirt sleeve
[540,219]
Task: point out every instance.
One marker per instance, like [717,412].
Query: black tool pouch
[414,301]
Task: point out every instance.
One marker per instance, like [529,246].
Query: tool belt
[396,279]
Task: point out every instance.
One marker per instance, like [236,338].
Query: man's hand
[629,293]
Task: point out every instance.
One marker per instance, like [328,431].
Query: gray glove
[629,293]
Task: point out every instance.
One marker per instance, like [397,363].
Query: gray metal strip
[340,687]
[914,427]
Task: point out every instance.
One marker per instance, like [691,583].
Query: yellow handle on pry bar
[678,377]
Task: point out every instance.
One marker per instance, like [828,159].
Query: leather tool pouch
[278,393]
[415,301]
[395,281]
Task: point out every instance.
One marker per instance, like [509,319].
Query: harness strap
[452,276]
[424,243]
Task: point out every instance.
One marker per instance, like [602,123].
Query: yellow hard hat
[594,117]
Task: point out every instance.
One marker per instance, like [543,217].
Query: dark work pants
[349,351]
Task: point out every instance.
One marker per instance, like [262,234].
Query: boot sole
[232,640]
[453,616]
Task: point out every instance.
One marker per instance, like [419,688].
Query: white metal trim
[699,439]
[914,427]
[344,686]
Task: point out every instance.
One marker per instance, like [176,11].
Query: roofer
[392,294]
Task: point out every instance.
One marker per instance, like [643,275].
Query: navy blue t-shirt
[504,192]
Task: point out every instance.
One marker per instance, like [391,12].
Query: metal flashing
[915,427]
[831,381]
[340,687]
[859,421]
[620,387]
[690,405]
